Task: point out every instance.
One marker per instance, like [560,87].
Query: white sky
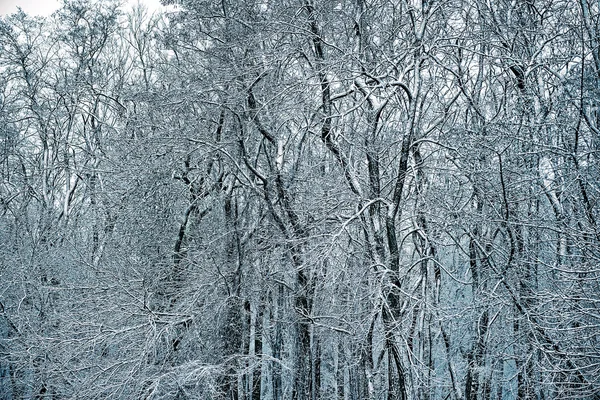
[46,7]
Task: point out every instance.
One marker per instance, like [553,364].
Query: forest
[301,199]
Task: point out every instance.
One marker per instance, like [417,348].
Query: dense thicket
[301,199]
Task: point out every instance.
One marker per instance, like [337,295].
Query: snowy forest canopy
[301,199]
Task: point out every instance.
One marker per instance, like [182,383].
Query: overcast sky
[46,7]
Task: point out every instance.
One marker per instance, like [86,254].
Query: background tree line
[301,199]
